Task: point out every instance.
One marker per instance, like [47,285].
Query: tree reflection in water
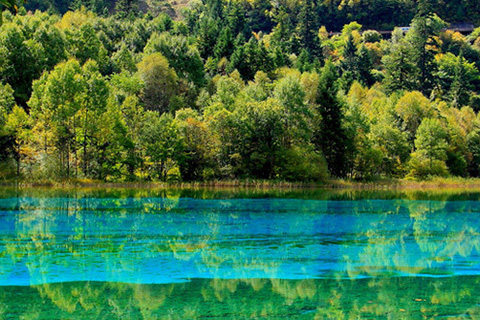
[170,255]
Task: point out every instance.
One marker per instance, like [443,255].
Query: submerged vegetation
[238,90]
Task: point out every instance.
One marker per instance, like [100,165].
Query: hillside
[238,90]
[372,14]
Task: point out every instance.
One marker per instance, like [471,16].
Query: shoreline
[334,184]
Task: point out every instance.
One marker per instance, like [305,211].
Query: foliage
[160,82]
[431,149]
[242,89]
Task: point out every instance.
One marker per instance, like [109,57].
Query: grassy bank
[433,183]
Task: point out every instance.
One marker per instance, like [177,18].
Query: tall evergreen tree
[349,63]
[330,137]
[283,33]
[423,42]
[127,8]
[307,28]
[224,46]
[207,36]
[399,65]
[215,9]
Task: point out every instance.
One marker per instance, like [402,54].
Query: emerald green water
[237,254]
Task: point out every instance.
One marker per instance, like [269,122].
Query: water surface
[183,254]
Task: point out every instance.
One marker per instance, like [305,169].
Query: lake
[239,253]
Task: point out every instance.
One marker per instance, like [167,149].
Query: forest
[220,90]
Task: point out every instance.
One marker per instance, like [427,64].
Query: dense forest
[240,89]
[263,15]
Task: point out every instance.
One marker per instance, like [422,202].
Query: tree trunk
[85,136]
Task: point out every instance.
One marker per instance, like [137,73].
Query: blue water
[175,240]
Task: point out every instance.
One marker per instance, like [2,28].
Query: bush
[302,164]
[423,168]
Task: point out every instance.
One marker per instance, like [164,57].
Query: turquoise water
[185,255]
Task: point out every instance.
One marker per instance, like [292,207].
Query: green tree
[228,89]
[261,137]
[214,8]
[400,67]
[457,80]
[94,104]
[53,46]
[139,31]
[57,96]
[224,46]
[181,56]
[122,60]
[250,58]
[473,144]
[126,8]
[160,82]
[134,117]
[284,32]
[422,37]
[307,28]
[112,146]
[302,163]
[365,66]
[9,4]
[290,94]
[200,146]
[19,126]
[162,143]
[7,103]
[83,44]
[18,61]
[207,37]
[67,105]
[330,136]
[350,63]
[236,13]
[412,108]
[431,149]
